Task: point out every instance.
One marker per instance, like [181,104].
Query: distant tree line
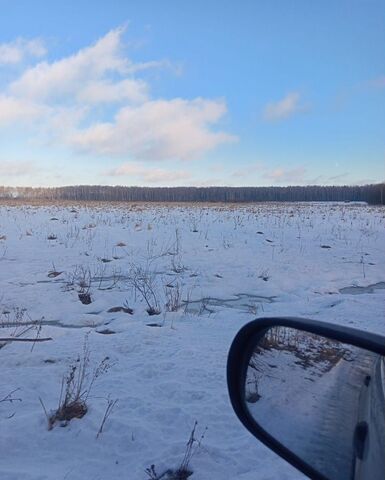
[372,194]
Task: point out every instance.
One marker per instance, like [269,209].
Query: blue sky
[192,93]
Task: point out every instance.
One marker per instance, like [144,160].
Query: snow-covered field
[218,267]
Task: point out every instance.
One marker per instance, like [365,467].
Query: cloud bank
[95,101]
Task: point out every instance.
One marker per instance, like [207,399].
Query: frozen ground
[219,266]
[322,385]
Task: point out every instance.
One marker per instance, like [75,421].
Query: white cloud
[94,101]
[135,91]
[157,130]
[66,76]
[125,170]
[13,110]
[17,169]
[285,108]
[149,175]
[248,171]
[281,175]
[15,52]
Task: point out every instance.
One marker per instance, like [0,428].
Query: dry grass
[75,390]
[184,471]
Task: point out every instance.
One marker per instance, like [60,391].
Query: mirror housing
[241,351]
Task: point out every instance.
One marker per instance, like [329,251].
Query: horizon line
[191,186]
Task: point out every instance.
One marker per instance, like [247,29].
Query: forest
[373,194]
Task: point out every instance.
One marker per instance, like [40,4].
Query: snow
[309,390]
[232,263]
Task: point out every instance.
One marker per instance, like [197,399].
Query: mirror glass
[321,399]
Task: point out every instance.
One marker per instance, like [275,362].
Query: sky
[171,93]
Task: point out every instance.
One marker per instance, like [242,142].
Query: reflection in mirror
[321,399]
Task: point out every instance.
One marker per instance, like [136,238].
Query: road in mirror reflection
[309,392]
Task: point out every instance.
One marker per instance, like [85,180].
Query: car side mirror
[314,393]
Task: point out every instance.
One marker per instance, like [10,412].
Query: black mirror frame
[239,355]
